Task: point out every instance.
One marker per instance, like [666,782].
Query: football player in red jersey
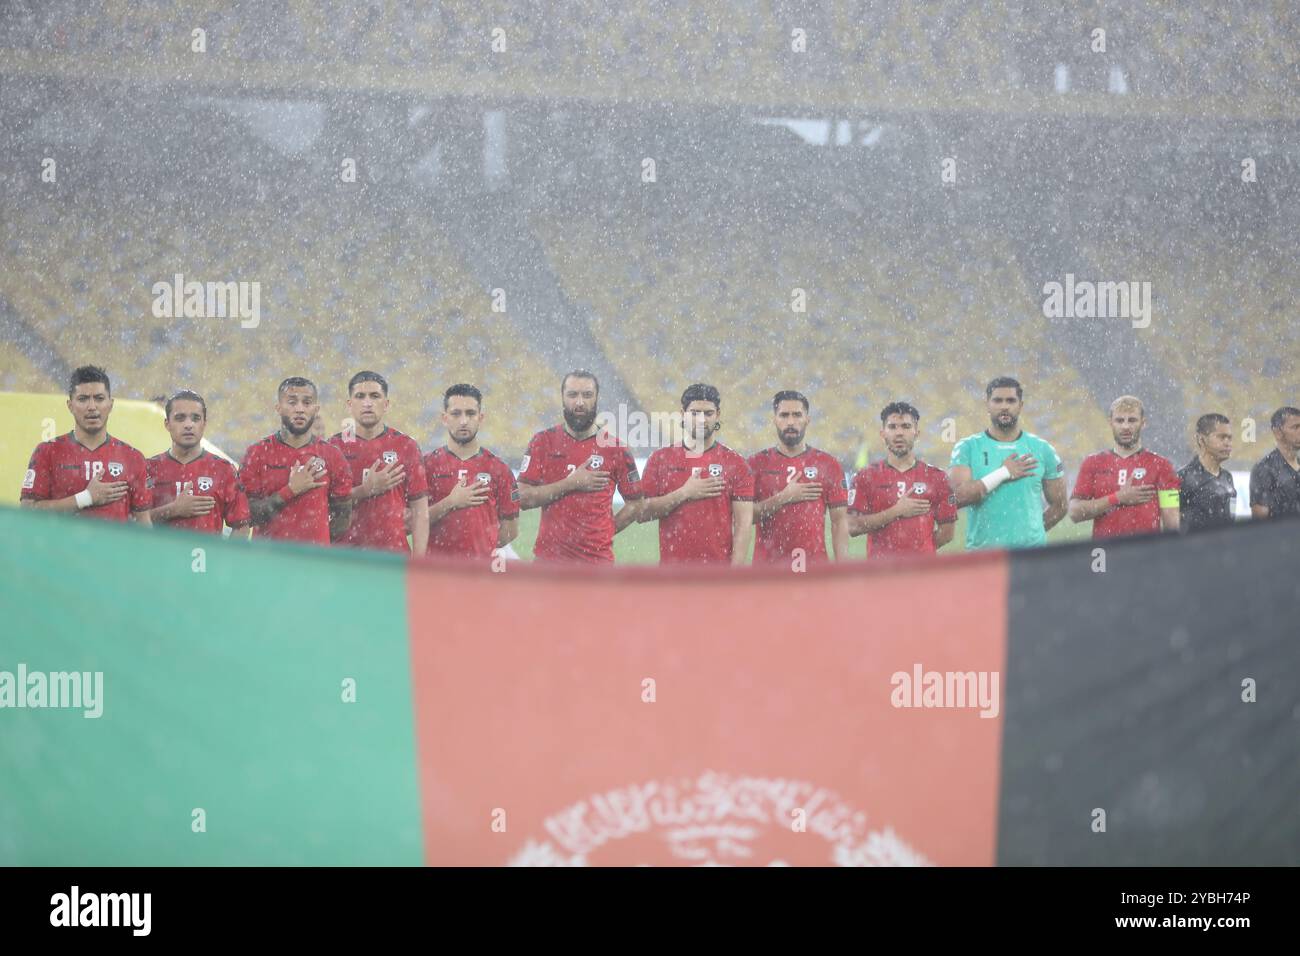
[299,487]
[904,504]
[193,488]
[700,491]
[388,478]
[1128,489]
[795,487]
[475,506]
[570,471]
[88,471]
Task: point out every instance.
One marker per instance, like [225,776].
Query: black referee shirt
[1204,500]
[1275,485]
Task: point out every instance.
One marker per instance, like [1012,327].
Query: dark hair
[186,395]
[86,375]
[789,395]
[296,381]
[699,392]
[1208,422]
[1282,414]
[468,391]
[367,377]
[899,408]
[580,373]
[1003,381]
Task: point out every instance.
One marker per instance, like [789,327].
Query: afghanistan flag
[172,699]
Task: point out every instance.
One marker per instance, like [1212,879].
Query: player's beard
[1010,424]
[297,432]
[1132,443]
[900,451]
[466,440]
[789,440]
[579,422]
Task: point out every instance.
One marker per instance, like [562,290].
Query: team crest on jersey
[595,461]
[115,468]
[316,464]
[1139,474]
[484,478]
[205,483]
[810,472]
[715,471]
[390,457]
[919,487]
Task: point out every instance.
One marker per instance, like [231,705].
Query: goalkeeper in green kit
[1003,474]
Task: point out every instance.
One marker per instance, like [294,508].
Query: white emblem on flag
[115,468]
[715,471]
[205,483]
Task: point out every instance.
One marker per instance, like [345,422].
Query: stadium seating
[1223,322]
[857,50]
[380,294]
[884,321]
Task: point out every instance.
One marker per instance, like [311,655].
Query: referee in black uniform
[1275,479]
[1207,494]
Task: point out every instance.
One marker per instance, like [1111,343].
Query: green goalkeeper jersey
[1012,516]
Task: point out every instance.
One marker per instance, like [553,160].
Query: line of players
[369,486]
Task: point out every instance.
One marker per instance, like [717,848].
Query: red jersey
[802,524]
[307,517]
[1105,473]
[380,522]
[698,531]
[579,526]
[64,466]
[206,475]
[878,486]
[473,531]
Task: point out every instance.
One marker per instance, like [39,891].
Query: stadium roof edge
[314,79]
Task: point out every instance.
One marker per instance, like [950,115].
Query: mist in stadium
[560,434]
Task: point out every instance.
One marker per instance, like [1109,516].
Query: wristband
[1113,498]
[286,494]
[83,499]
[995,478]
